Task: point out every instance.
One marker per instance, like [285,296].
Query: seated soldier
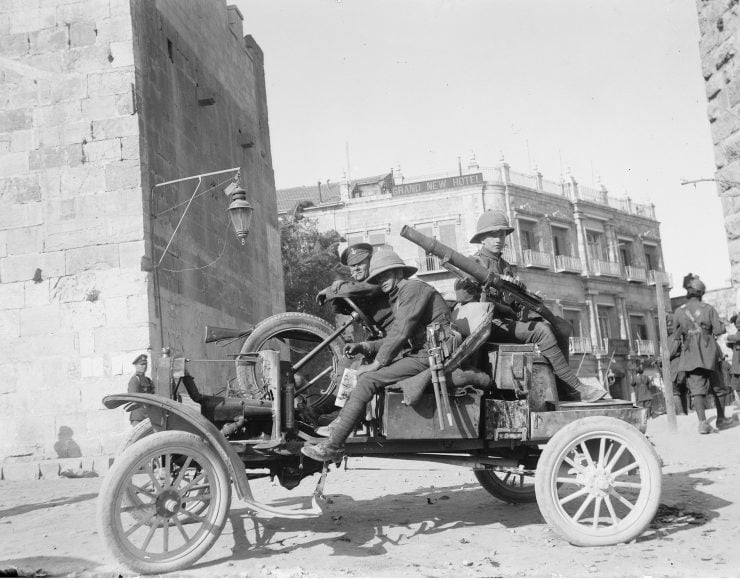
[401,354]
[491,232]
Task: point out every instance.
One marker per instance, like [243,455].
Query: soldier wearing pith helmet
[401,354]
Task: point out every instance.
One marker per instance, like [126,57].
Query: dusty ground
[406,519]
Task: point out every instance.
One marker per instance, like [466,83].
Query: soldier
[733,342]
[401,354]
[368,297]
[696,326]
[678,379]
[512,324]
[641,385]
[139,383]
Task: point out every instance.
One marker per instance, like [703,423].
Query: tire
[142,429]
[598,482]
[144,506]
[305,332]
[507,486]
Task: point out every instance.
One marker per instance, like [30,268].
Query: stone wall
[719,27]
[96,107]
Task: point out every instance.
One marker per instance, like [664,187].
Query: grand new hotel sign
[437,184]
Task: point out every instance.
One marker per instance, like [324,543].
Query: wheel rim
[600,484]
[166,504]
[323,362]
[519,481]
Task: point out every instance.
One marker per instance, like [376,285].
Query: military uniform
[643,392]
[696,324]
[733,341]
[401,354]
[139,383]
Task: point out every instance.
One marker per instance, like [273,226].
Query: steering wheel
[358,314]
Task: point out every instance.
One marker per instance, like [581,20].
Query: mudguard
[166,414]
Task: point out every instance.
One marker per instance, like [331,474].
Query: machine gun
[462,265]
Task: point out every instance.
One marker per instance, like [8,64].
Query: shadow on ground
[23,509]
[362,528]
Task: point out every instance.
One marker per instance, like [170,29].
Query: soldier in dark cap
[696,325]
[139,383]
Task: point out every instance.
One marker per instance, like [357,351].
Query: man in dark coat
[733,342]
[401,354]
[139,383]
[696,326]
[642,387]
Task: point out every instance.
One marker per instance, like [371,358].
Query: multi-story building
[593,258]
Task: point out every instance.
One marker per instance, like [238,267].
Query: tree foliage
[310,263]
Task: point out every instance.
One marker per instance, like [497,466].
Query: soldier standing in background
[140,383]
[733,342]
[641,385]
[696,326]
[678,379]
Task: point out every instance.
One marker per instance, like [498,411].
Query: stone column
[624,327]
[593,318]
[581,238]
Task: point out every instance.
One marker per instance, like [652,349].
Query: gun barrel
[435,247]
[214,333]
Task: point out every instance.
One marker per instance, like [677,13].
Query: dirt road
[406,519]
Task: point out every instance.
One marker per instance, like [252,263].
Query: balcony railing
[604,268]
[567,264]
[580,344]
[510,255]
[635,274]
[644,347]
[430,264]
[532,259]
[667,278]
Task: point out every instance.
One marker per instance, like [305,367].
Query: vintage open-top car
[165,501]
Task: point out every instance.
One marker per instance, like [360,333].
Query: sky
[608,90]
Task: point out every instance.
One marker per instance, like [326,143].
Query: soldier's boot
[572,389]
[332,449]
[704,427]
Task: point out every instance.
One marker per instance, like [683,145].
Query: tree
[310,262]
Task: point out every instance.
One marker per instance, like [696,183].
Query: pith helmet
[355,254]
[491,222]
[388,260]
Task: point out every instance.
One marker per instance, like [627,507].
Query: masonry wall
[200,92]
[73,298]
[719,25]
[99,102]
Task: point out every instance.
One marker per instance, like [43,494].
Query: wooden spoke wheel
[598,482]
[164,503]
[512,486]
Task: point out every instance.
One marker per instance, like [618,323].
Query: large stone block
[110,83]
[61,135]
[10,326]
[25,240]
[122,338]
[32,19]
[90,11]
[125,228]
[47,40]
[24,140]
[12,45]
[82,34]
[20,189]
[102,150]
[122,54]
[70,87]
[86,179]
[116,29]
[85,315]
[92,367]
[47,157]
[122,175]
[131,253]
[36,320]
[75,234]
[112,128]
[24,267]
[99,107]
[37,293]
[11,295]
[12,164]
[58,114]
[16,119]
[91,257]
